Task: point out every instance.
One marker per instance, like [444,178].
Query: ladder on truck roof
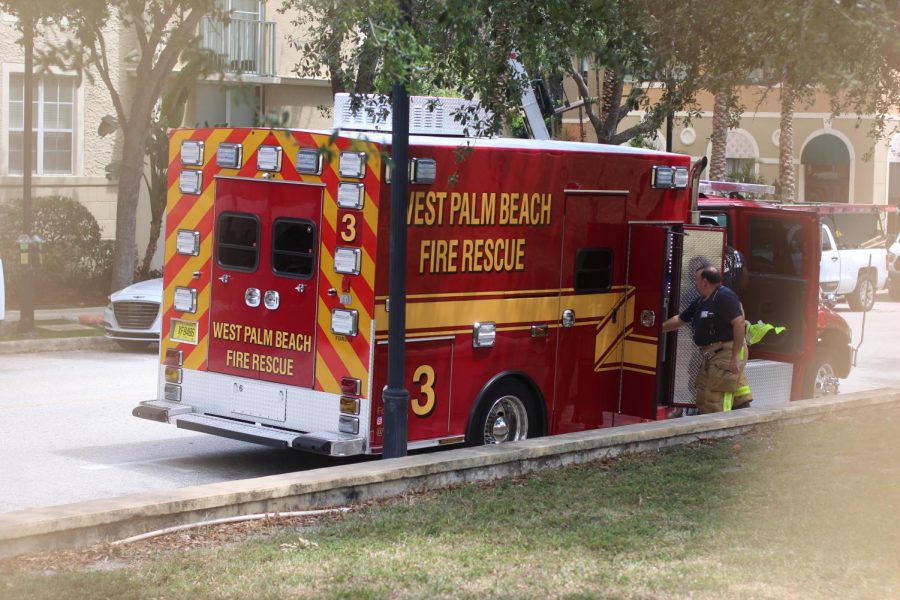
[724,188]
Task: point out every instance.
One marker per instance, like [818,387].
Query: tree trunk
[134,147]
[786,178]
[155,228]
[717,163]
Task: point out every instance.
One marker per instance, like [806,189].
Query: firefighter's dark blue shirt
[711,318]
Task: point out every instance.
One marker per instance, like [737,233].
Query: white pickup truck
[854,272]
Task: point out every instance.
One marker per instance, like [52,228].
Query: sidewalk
[68,314]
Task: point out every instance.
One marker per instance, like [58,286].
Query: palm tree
[717,163]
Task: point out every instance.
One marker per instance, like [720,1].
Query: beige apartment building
[836,158]
[71,157]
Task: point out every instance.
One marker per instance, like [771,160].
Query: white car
[132,318]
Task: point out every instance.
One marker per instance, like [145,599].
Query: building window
[740,156]
[53,122]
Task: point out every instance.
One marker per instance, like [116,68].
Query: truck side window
[826,243]
[237,242]
[293,247]
[776,247]
[593,270]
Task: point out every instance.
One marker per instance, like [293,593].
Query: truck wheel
[863,297]
[505,414]
[821,377]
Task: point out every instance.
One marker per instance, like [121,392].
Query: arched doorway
[826,169]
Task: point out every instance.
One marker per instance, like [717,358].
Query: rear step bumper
[319,442]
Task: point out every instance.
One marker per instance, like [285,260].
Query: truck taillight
[351,386]
[172,392]
[185,299]
[173,375]
[190,182]
[347,424]
[192,153]
[344,322]
[351,195]
[308,161]
[268,158]
[352,164]
[187,242]
[349,406]
[174,358]
[347,261]
[228,155]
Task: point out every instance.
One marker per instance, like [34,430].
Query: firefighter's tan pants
[718,389]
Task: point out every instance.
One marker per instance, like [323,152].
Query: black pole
[670,129]
[396,397]
[26,318]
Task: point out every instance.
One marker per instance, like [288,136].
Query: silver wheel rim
[868,294]
[823,375]
[507,421]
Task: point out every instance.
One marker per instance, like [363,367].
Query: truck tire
[506,413]
[816,380]
[863,297]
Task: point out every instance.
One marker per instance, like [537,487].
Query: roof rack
[428,115]
[735,187]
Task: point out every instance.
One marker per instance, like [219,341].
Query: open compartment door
[648,287]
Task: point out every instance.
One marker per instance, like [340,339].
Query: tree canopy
[75,36]
[652,56]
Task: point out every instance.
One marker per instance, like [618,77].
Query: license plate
[184,331]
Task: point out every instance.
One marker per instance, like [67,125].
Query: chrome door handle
[834,259]
[225,278]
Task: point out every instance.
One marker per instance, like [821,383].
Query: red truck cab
[780,285]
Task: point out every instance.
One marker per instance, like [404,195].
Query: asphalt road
[68,433]
[878,361]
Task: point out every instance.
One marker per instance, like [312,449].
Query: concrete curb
[96,342]
[116,518]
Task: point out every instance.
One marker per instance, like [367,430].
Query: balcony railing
[244,46]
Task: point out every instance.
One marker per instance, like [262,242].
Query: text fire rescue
[482,255]
[283,340]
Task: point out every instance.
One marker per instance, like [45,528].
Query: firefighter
[718,322]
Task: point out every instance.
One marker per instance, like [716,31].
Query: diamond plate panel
[700,245]
[770,382]
[290,407]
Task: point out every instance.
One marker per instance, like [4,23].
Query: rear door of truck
[264,280]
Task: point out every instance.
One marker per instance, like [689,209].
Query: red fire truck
[539,273]
[780,286]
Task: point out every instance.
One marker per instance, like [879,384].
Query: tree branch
[136,8]
[586,95]
[100,60]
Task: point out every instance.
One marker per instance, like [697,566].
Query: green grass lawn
[802,511]
[50,328]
